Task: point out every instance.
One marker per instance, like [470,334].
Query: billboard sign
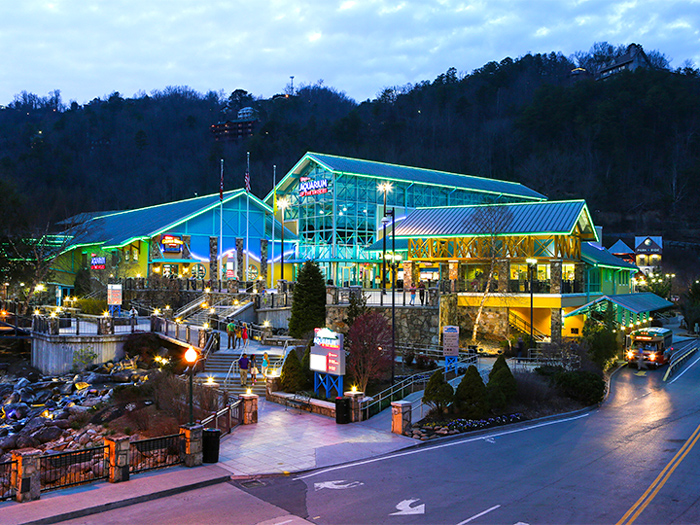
[97,262]
[328,354]
[450,341]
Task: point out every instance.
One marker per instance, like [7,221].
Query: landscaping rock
[47,434]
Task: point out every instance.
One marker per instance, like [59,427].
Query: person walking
[253,369]
[243,365]
[421,292]
[265,364]
[231,331]
[413,295]
[237,336]
[244,334]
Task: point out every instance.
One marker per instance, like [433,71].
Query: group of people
[237,334]
[248,365]
[421,293]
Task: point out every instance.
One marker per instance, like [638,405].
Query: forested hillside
[630,144]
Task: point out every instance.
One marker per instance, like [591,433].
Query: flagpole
[247,215]
[221,220]
[274,218]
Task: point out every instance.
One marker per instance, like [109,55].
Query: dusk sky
[91,48]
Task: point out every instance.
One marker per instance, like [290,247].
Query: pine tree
[471,396]
[438,392]
[309,305]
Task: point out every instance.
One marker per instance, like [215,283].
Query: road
[588,468]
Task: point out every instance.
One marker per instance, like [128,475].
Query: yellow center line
[660,480]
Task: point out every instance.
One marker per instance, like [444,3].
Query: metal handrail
[678,359]
[228,410]
[189,306]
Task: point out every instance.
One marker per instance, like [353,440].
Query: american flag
[247,181]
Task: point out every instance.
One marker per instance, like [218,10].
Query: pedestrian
[243,365]
[253,369]
[421,292]
[133,314]
[413,295]
[244,334]
[265,364]
[520,348]
[237,336]
[231,331]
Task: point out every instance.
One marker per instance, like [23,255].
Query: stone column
[503,266]
[400,417]
[263,261]
[26,476]
[249,408]
[408,274]
[272,384]
[53,326]
[555,324]
[105,326]
[214,258]
[118,458]
[240,263]
[331,294]
[555,270]
[202,337]
[193,444]
[579,278]
[355,405]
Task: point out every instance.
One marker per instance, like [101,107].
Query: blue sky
[91,48]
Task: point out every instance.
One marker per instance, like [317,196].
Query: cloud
[91,48]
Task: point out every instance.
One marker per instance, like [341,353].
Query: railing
[225,419]
[538,359]
[195,304]
[523,326]
[7,491]
[407,386]
[76,467]
[678,359]
[155,453]
[275,364]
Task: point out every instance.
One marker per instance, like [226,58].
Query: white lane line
[684,371]
[444,445]
[478,515]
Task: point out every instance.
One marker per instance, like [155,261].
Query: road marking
[684,371]
[478,515]
[436,447]
[404,508]
[660,480]
[490,440]
[641,373]
[337,485]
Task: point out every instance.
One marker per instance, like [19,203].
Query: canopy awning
[634,303]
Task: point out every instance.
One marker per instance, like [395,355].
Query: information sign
[114,295]
[327,354]
[450,341]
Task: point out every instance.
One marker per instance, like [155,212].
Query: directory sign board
[114,295]
[328,354]
[450,341]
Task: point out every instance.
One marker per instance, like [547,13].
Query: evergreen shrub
[292,378]
[471,396]
[438,393]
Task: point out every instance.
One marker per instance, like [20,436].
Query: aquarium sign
[328,354]
[172,243]
[313,187]
[97,262]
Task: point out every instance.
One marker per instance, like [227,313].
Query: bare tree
[370,357]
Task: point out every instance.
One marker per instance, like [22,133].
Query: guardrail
[154,453]
[225,419]
[678,359]
[7,491]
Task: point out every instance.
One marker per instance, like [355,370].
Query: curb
[79,513]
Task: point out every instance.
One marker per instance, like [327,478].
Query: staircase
[521,326]
[219,364]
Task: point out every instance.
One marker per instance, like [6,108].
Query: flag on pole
[247,181]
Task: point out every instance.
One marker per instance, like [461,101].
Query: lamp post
[394,263]
[191,359]
[282,205]
[531,265]
[384,187]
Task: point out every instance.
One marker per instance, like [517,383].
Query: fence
[7,491]
[155,453]
[66,469]
[678,359]
[225,419]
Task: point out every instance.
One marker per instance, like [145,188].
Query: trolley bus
[652,346]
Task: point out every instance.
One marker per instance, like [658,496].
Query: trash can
[342,410]
[210,445]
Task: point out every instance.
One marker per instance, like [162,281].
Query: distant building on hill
[648,251]
[633,58]
[241,127]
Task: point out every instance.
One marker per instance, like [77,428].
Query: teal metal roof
[395,172]
[548,217]
[635,303]
[597,256]
[120,228]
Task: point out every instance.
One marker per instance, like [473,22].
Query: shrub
[500,363]
[309,306]
[408,358]
[92,306]
[292,377]
[583,386]
[502,387]
[471,395]
[438,393]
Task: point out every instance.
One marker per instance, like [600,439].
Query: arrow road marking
[490,440]
[404,508]
[337,485]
